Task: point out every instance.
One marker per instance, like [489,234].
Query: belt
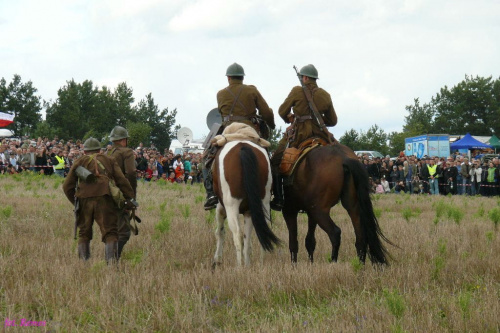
[303,118]
[235,118]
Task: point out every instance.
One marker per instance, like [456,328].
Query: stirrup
[211,203]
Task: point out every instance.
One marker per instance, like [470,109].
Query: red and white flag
[6,119]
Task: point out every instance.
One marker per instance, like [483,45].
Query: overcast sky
[373,57]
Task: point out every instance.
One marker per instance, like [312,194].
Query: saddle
[292,156]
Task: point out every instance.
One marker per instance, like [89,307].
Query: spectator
[476,172]
[491,179]
[450,176]
[385,184]
[465,172]
[433,177]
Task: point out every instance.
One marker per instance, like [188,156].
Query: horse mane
[239,132]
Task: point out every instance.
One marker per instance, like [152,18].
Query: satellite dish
[213,117]
[185,136]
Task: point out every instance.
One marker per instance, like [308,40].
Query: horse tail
[372,233]
[251,186]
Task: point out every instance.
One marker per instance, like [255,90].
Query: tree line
[82,110]
[471,106]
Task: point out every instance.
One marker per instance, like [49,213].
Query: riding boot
[212,200]
[84,250]
[121,244]
[277,202]
[111,252]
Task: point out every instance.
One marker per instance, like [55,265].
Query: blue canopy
[468,142]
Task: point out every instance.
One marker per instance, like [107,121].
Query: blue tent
[468,142]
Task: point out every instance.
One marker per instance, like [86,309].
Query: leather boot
[277,202]
[121,244]
[212,200]
[84,250]
[111,252]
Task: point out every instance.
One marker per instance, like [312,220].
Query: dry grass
[445,277]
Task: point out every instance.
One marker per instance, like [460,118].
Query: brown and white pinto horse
[242,182]
[324,177]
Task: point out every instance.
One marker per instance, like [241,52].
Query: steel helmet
[235,70]
[118,133]
[310,71]
[91,144]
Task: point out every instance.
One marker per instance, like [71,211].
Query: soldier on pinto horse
[237,102]
[306,122]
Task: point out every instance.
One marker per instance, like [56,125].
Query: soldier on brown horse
[328,173]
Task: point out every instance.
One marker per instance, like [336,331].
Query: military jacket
[298,101]
[249,100]
[125,159]
[101,186]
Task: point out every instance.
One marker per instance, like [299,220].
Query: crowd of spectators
[55,156]
[428,175]
[433,175]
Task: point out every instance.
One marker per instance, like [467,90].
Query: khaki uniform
[96,202]
[125,159]
[306,128]
[248,100]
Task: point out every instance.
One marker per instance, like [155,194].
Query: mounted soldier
[125,159]
[312,112]
[238,102]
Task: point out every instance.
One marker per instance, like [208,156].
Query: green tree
[376,139]
[352,140]
[276,135]
[162,122]
[473,105]
[138,132]
[420,119]
[397,142]
[20,99]
[470,106]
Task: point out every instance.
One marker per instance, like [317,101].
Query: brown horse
[326,175]
[242,182]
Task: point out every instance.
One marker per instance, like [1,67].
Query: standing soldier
[237,103]
[125,159]
[94,198]
[305,124]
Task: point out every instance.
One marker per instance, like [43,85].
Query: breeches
[103,211]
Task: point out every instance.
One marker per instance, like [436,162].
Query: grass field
[445,277]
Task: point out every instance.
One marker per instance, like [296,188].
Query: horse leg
[234,226]
[247,242]
[310,239]
[220,231]
[350,203]
[322,218]
[290,217]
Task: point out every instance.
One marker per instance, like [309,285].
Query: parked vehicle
[371,153]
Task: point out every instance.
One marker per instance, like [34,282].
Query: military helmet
[91,144]
[310,71]
[118,133]
[235,70]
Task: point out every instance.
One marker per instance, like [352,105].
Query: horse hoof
[214,265]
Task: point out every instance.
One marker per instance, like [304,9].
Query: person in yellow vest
[433,179]
[59,163]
